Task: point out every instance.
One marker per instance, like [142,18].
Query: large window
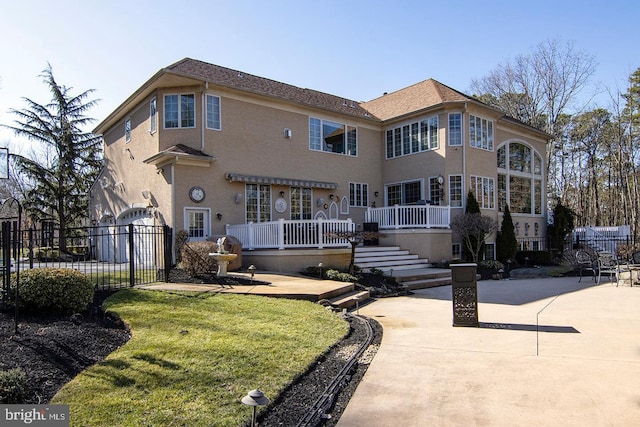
[412,138]
[213,112]
[455,129]
[258,202]
[300,203]
[404,193]
[455,190]
[332,137]
[358,194]
[435,190]
[179,111]
[519,178]
[484,191]
[480,133]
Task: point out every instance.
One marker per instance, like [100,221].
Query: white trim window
[455,191]
[412,138]
[404,193]
[213,112]
[301,203]
[480,133]
[179,111]
[483,189]
[435,193]
[197,223]
[258,202]
[127,130]
[519,178]
[455,129]
[153,115]
[358,194]
[332,137]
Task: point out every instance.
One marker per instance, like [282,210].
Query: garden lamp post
[255,398]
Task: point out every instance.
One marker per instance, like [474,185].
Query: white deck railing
[415,216]
[283,234]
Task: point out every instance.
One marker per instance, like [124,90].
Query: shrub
[491,265]
[53,290]
[13,386]
[340,277]
[196,259]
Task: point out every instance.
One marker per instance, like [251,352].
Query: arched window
[519,178]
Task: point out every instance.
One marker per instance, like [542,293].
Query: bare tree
[540,87]
[474,228]
[354,238]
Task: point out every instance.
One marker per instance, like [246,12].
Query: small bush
[53,290]
[196,259]
[340,277]
[13,386]
[491,265]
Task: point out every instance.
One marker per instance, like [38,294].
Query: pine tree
[60,180]
[506,242]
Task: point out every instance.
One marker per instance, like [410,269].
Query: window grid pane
[455,190]
[213,112]
[171,111]
[455,129]
[187,111]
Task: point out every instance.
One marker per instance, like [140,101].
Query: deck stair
[407,268]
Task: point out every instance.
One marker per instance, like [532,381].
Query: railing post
[281,233]
[320,233]
[396,216]
[250,235]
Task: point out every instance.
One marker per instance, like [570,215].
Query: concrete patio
[548,352]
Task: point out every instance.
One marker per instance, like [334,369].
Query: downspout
[202,123]
[464,161]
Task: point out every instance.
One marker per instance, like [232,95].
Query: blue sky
[355,49]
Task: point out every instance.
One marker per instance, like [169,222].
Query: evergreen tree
[506,242]
[563,224]
[60,180]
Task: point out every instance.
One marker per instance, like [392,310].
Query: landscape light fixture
[320,268]
[255,398]
[252,270]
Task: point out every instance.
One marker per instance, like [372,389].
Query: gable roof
[262,86]
[414,98]
[410,100]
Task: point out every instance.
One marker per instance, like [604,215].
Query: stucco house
[216,151]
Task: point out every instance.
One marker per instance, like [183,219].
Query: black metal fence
[114,257]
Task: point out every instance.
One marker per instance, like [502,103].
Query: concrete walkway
[580,368]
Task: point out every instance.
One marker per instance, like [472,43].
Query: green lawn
[192,357]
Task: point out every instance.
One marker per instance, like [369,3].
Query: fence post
[132,264]
[168,250]
[31,247]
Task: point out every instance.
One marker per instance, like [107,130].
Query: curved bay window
[519,178]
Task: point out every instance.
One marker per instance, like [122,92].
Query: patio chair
[608,264]
[634,265]
[585,263]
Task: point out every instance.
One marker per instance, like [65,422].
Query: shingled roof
[240,80]
[413,98]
